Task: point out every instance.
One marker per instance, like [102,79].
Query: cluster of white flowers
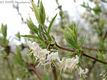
[82,72]
[69,64]
[44,57]
[53,57]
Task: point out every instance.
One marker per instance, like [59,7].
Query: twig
[32,68]
[54,71]
[64,48]
[43,33]
[82,54]
[98,60]
[19,13]
[11,71]
[13,52]
[94,49]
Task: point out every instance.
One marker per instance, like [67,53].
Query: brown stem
[43,33]
[13,52]
[64,48]
[54,72]
[10,68]
[32,68]
[38,75]
[94,58]
[94,49]
[82,54]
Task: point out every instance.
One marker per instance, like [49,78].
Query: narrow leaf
[50,25]
[42,13]
[31,26]
[4,30]
[36,11]
[29,36]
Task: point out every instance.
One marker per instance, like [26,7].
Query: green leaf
[18,36]
[69,39]
[30,36]
[50,25]
[3,41]
[42,44]
[102,24]
[71,36]
[101,43]
[69,30]
[19,52]
[31,26]
[72,32]
[97,9]
[42,13]
[32,56]
[85,5]
[19,56]
[39,13]
[100,55]
[82,41]
[4,30]
[36,11]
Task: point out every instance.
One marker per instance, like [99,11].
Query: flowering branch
[82,52]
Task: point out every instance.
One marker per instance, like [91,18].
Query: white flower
[33,45]
[69,64]
[82,72]
[18,79]
[67,76]
[40,54]
[53,57]
[44,57]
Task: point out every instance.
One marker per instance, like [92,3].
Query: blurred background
[15,12]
